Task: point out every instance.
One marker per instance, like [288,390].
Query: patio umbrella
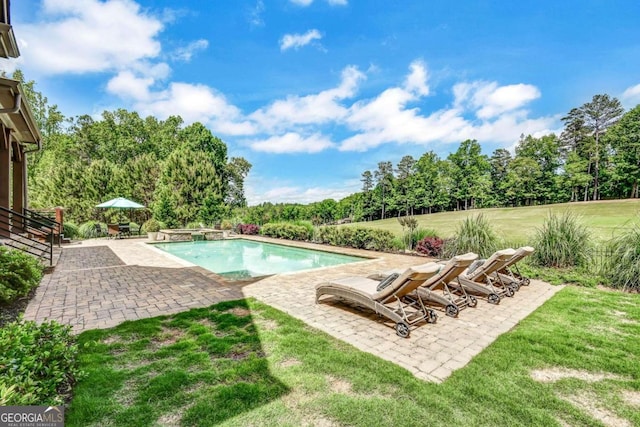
[120,203]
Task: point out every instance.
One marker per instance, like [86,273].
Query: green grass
[605,219]
[244,363]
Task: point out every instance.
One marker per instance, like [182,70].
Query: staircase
[31,233]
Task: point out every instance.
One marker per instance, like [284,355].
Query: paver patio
[102,283]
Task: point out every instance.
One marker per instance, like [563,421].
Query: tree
[237,170]
[406,188]
[624,138]
[384,179]
[499,162]
[598,115]
[471,173]
[546,152]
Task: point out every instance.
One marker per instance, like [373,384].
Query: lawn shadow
[199,367]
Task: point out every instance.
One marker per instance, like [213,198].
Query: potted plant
[152,227]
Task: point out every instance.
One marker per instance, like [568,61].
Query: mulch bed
[11,312]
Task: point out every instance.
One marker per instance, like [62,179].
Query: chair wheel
[510,291]
[515,286]
[402,329]
[493,299]
[452,310]
[473,301]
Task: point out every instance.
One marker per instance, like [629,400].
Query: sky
[314,92]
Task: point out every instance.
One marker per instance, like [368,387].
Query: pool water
[240,259]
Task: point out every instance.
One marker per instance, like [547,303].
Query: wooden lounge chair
[113,231]
[438,289]
[483,281]
[509,273]
[393,297]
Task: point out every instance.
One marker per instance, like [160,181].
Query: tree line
[180,172]
[596,156]
[184,175]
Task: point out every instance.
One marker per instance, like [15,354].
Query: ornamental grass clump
[622,261]
[562,241]
[474,234]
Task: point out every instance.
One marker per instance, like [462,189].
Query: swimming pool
[241,259]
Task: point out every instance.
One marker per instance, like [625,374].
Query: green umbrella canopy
[120,203]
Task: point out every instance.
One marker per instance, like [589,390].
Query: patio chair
[507,273]
[481,279]
[125,229]
[98,229]
[113,231]
[393,297]
[438,289]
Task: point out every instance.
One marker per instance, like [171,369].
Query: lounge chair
[482,280]
[507,273]
[437,290]
[393,297]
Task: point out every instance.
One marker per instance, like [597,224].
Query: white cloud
[305,3]
[292,142]
[255,14]
[311,109]
[90,36]
[631,96]
[193,103]
[293,194]
[416,81]
[127,85]
[388,118]
[186,53]
[490,100]
[296,41]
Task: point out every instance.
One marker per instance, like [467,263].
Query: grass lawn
[244,363]
[604,218]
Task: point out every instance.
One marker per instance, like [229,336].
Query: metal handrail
[7,217]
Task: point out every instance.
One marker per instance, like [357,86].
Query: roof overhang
[16,114]
[8,45]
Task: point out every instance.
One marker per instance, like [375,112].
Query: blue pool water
[238,258]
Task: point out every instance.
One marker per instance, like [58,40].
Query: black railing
[28,233]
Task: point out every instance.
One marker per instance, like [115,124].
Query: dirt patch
[589,403]
[111,340]
[266,324]
[172,419]
[339,385]
[631,397]
[126,394]
[207,322]
[618,313]
[239,311]
[287,363]
[319,421]
[556,374]
[168,336]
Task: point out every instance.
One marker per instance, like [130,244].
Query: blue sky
[314,92]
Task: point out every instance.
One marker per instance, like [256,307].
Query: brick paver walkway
[91,288]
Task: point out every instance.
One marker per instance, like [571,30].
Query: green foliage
[19,273]
[87,230]
[226,224]
[562,241]
[356,237]
[151,226]
[70,230]
[473,234]
[622,260]
[38,363]
[285,230]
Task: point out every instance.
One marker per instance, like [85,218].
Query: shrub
[431,246]
[562,241]
[420,233]
[357,237]
[38,364]
[248,229]
[151,226]
[285,230]
[87,230]
[226,225]
[70,230]
[19,273]
[473,234]
[622,260]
